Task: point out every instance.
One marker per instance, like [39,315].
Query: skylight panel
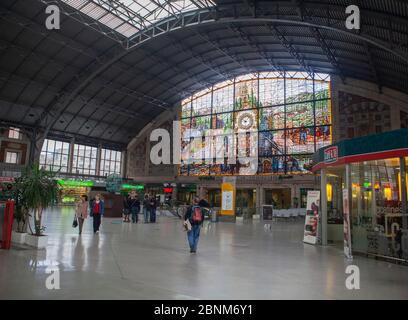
[127,17]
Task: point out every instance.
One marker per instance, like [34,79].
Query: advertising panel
[312,217]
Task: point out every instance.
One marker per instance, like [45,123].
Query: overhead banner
[312,217]
[346,225]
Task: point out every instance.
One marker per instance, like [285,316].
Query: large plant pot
[39,242]
[18,237]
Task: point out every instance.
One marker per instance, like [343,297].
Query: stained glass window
[280,118]
[223,99]
[271,92]
[299,115]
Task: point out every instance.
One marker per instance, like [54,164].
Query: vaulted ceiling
[104,82]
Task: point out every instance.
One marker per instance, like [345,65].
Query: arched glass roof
[130,16]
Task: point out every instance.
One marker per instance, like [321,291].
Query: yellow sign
[228,199]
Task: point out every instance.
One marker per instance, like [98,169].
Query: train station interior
[284,122]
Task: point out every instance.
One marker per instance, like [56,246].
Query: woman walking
[81,211]
[97,211]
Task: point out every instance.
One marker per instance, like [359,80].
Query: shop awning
[392,144]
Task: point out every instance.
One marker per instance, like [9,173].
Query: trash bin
[213,215]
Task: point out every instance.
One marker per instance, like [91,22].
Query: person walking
[81,211]
[97,211]
[153,207]
[134,206]
[194,217]
[146,208]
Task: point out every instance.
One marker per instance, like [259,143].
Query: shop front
[368,176]
[70,191]
[186,193]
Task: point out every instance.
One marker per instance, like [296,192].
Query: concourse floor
[152,261]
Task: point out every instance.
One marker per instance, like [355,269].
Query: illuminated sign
[331,155]
[130,186]
[75,183]
[167,190]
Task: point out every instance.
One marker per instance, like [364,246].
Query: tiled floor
[152,261]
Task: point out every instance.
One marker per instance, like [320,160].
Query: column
[323,205]
[258,199]
[71,155]
[147,154]
[36,143]
[98,160]
[404,196]
[373,199]
[123,165]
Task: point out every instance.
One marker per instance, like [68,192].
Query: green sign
[75,183]
[130,186]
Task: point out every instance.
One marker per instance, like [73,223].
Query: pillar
[258,199]
[404,196]
[323,205]
[98,160]
[373,199]
[36,143]
[71,155]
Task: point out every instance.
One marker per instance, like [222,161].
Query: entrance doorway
[279,198]
[245,203]
[214,198]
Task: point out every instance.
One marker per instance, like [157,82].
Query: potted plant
[38,191]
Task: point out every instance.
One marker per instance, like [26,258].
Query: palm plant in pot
[38,192]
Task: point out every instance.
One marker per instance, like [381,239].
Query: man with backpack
[194,216]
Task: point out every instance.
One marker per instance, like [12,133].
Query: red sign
[6,179]
[331,155]
[168,190]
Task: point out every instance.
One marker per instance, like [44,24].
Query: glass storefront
[379,226]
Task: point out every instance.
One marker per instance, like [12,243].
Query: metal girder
[373,67]
[202,17]
[225,51]
[320,39]
[290,49]
[199,58]
[253,44]
[87,21]
[20,81]
[329,53]
[155,56]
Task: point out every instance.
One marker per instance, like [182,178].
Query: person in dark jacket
[146,208]
[153,207]
[193,235]
[134,206]
[126,209]
[97,211]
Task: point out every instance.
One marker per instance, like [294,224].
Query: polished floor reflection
[152,261]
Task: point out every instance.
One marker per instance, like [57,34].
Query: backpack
[196,215]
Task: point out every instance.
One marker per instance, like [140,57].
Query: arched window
[286,115]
